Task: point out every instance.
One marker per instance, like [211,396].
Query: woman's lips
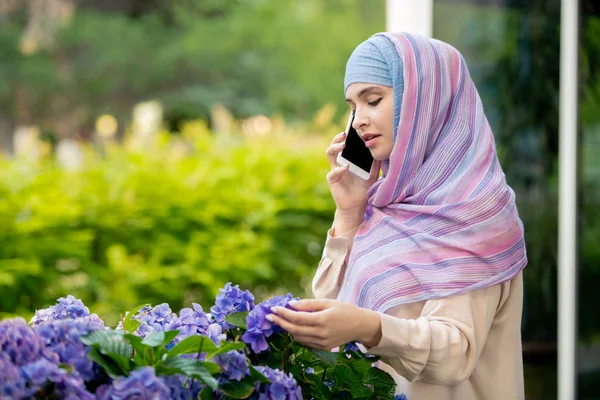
[371,140]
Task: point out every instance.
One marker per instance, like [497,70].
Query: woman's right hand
[348,190]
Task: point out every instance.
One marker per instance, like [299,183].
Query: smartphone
[356,154]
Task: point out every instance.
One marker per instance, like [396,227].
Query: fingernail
[274,310]
[269,317]
[293,302]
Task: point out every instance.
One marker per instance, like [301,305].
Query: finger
[290,327]
[336,174]
[296,317]
[310,305]
[312,342]
[339,138]
[332,153]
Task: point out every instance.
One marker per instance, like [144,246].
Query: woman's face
[373,107]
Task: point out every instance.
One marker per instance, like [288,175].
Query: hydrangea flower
[258,327]
[231,300]
[63,337]
[191,321]
[21,344]
[400,397]
[234,365]
[351,346]
[282,386]
[47,380]
[194,321]
[12,384]
[154,319]
[66,308]
[182,388]
[140,384]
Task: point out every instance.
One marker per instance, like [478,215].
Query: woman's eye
[375,102]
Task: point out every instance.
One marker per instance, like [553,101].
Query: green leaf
[358,389]
[326,356]
[237,319]
[319,388]
[343,374]
[108,342]
[381,381]
[109,365]
[136,343]
[130,324]
[206,394]
[237,390]
[193,344]
[201,370]
[257,376]
[124,362]
[161,338]
[226,347]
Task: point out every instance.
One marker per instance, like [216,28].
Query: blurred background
[153,150]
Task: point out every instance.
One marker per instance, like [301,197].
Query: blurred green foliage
[172,222]
[252,56]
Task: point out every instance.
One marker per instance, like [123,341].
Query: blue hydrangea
[351,347]
[63,337]
[258,327]
[234,365]
[282,386]
[191,321]
[154,319]
[47,380]
[196,322]
[21,344]
[182,388]
[66,308]
[400,397]
[12,384]
[140,384]
[231,300]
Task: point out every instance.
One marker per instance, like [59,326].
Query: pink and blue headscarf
[442,220]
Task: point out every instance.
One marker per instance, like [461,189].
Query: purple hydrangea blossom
[196,322]
[21,344]
[234,365]
[154,319]
[351,346]
[258,327]
[140,384]
[400,397]
[63,337]
[191,321]
[12,384]
[66,308]
[182,388]
[47,380]
[231,300]
[282,386]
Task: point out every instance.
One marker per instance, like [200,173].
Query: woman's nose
[360,120]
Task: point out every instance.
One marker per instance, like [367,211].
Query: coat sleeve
[442,346]
[329,274]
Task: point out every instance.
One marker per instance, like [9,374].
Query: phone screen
[355,150]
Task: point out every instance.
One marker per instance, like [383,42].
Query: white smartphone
[356,154]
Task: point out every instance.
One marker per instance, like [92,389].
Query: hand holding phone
[355,153]
[349,191]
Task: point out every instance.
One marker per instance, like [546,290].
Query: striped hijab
[442,220]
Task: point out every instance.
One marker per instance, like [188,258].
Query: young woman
[423,266]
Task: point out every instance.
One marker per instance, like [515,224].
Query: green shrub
[171,222]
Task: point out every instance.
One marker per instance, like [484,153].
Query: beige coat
[455,348]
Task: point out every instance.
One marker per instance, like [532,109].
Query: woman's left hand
[326,324]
